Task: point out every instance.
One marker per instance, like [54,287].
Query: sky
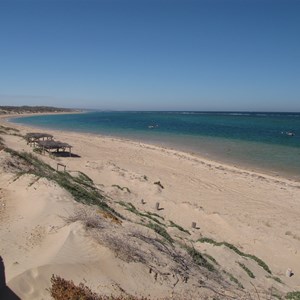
[228,55]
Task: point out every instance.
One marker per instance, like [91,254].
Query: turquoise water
[253,140]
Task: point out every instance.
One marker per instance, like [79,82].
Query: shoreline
[215,159]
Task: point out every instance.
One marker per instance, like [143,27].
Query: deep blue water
[255,140]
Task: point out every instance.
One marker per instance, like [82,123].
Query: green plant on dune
[154,215]
[277,279]
[247,270]
[130,207]
[211,258]
[233,279]
[237,251]
[172,224]
[293,295]
[122,188]
[5,129]
[9,131]
[83,177]
[198,258]
[161,231]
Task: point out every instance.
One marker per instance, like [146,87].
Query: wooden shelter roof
[38,135]
[50,144]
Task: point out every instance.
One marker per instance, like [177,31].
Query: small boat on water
[152,126]
[289,133]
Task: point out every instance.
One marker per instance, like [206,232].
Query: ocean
[266,142]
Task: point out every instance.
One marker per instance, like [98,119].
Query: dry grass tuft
[89,217]
[109,216]
[62,289]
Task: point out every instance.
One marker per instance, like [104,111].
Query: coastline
[210,159]
[254,211]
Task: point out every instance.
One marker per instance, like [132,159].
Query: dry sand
[257,213]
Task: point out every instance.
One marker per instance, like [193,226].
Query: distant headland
[8,110]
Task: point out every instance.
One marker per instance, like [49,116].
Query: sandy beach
[257,213]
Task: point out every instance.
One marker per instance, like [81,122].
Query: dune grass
[161,231]
[80,188]
[172,224]
[122,188]
[247,270]
[211,258]
[233,279]
[5,129]
[130,207]
[199,259]
[237,251]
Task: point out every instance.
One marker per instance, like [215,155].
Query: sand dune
[257,213]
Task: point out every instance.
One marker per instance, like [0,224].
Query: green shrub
[293,296]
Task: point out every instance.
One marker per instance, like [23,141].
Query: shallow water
[253,140]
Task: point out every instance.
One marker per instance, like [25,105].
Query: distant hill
[32,109]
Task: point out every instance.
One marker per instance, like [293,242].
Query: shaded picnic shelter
[57,146]
[45,142]
[34,137]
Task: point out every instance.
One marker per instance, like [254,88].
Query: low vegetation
[89,217]
[83,177]
[248,271]
[186,259]
[1,142]
[62,289]
[237,251]
[130,207]
[293,295]
[81,190]
[172,224]
[211,258]
[154,215]
[233,279]
[6,130]
[161,231]
[199,258]
[122,188]
[9,131]
[277,279]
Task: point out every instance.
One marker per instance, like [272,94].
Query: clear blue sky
[151,55]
